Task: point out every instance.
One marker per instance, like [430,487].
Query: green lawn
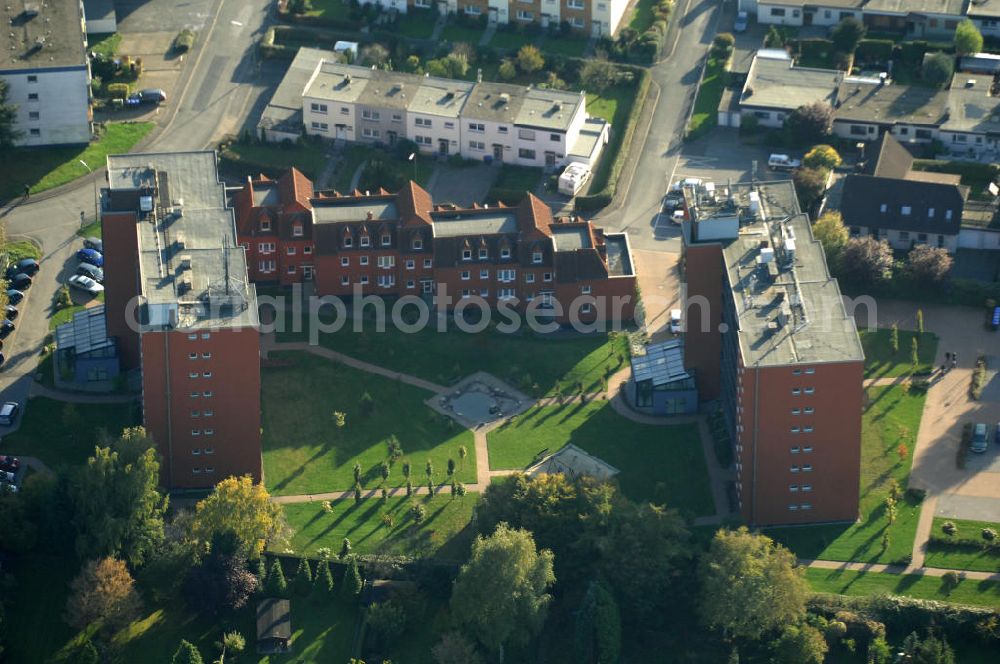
[106,43]
[338,9]
[613,105]
[275,158]
[643,15]
[446,357]
[443,535]
[518,178]
[416,23]
[354,156]
[881,362]
[511,40]
[22,249]
[976,593]
[459,33]
[646,455]
[706,105]
[34,630]
[45,168]
[60,434]
[66,314]
[966,556]
[568,46]
[305,453]
[93,229]
[892,416]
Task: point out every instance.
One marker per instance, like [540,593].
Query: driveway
[973,492]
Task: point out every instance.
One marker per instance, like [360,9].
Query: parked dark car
[9,463]
[11,312]
[27,265]
[995,319]
[91,256]
[20,281]
[148,96]
[95,243]
[8,411]
[14,296]
[92,271]
[6,327]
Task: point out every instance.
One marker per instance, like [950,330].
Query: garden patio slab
[481,399]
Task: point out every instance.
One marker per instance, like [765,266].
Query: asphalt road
[677,77]
[213,96]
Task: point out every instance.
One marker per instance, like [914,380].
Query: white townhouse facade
[43,60]
[483,121]
[920,18]
[596,18]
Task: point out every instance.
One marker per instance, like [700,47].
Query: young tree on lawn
[847,34]
[920,321]
[118,508]
[598,75]
[894,339]
[529,59]
[187,653]
[357,493]
[968,39]
[508,70]
[238,505]
[323,583]
[384,470]
[345,548]
[749,585]
[501,592]
[823,157]
[357,472]
[451,467]
[406,470]
[373,54]
[810,123]
[829,229]
[352,584]
[103,591]
[598,627]
[938,68]
[774,38]
[221,581]
[302,583]
[929,265]
[914,352]
[418,512]
[9,134]
[803,644]
[810,185]
[232,642]
[339,419]
[454,648]
[276,585]
[462,453]
[866,260]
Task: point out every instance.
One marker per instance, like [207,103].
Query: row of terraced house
[398,244]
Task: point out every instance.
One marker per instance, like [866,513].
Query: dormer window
[505,252]
[365,241]
[386,239]
[265,224]
[947,215]
[883,208]
[418,243]
[297,230]
[467,254]
[905,210]
[930,213]
[348,241]
[536,257]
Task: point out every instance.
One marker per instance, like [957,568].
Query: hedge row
[874,50]
[902,615]
[963,542]
[966,292]
[619,150]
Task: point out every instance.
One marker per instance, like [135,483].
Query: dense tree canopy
[501,593]
[847,34]
[809,124]
[8,117]
[749,585]
[829,229]
[103,591]
[968,39]
[866,260]
[239,506]
[928,265]
[118,508]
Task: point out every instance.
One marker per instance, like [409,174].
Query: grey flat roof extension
[41,34]
[284,111]
[571,239]
[489,223]
[864,100]
[85,332]
[774,83]
[971,107]
[190,263]
[331,212]
[904,7]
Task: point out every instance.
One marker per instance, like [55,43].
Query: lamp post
[96,204]
[413,158]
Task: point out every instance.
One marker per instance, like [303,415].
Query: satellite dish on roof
[993,189]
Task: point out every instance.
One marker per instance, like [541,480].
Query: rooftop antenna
[225,259]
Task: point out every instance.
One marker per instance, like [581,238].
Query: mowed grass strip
[848,582]
[65,434]
[443,534]
[45,168]
[882,362]
[533,363]
[970,554]
[658,463]
[891,420]
[305,453]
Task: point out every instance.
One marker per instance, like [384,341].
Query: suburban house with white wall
[918,18]
[43,60]
[596,18]
[491,122]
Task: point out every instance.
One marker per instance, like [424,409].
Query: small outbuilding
[86,357]
[573,461]
[274,626]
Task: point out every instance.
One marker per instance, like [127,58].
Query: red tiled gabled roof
[243,206]
[295,188]
[414,204]
[534,217]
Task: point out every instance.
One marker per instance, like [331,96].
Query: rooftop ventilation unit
[185,261]
[184,286]
[504,97]
[180,241]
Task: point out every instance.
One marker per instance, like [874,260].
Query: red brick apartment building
[402,244]
[180,304]
[769,338]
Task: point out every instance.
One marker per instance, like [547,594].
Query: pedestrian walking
[27,191]
[947,356]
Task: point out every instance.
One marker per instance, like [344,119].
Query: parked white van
[573,179]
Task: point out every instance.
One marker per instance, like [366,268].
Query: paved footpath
[898,569]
